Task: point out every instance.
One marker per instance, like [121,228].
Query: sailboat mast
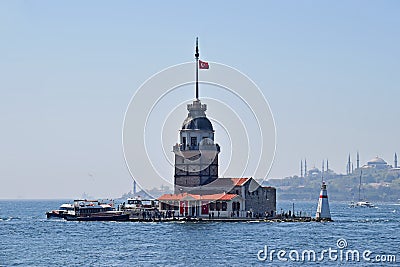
[359,188]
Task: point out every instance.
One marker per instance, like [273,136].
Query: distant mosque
[198,191]
[376,163]
[314,171]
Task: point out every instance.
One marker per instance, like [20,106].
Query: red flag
[203,65]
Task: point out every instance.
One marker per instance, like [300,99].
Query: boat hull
[55,215]
[94,217]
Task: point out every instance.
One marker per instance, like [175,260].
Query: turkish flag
[203,65]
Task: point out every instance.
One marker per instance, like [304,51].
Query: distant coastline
[378,186]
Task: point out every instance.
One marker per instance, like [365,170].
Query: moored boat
[140,208]
[95,210]
[100,216]
[65,209]
[89,210]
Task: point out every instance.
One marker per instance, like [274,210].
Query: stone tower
[196,156]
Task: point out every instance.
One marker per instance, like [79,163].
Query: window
[235,206]
[224,206]
[193,141]
[184,141]
[212,206]
[218,206]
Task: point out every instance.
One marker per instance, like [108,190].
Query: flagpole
[197,68]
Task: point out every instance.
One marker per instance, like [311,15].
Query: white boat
[361,203]
[95,210]
[63,210]
[140,208]
[365,204]
[88,210]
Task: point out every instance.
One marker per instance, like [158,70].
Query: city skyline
[329,72]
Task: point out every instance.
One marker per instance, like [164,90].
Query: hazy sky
[68,69]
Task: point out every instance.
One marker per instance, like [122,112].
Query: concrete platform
[190,219]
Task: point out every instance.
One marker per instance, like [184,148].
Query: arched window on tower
[184,142]
[193,141]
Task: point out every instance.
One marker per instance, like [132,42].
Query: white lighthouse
[323,211]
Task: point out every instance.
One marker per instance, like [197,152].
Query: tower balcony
[181,147]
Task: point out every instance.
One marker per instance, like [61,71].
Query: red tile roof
[213,197]
[172,196]
[240,181]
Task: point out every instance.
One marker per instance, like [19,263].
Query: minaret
[348,166]
[323,211]
[327,165]
[352,167]
[358,160]
[305,167]
[323,166]
[301,168]
[134,187]
[196,155]
[395,160]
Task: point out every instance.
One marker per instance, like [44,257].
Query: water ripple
[28,239]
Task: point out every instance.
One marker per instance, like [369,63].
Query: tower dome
[196,119]
[199,123]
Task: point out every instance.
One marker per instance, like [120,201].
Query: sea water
[29,239]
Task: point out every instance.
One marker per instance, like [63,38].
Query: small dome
[199,123]
[377,160]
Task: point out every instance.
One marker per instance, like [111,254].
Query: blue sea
[29,239]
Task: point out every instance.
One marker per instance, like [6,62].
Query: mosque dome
[199,123]
[377,160]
